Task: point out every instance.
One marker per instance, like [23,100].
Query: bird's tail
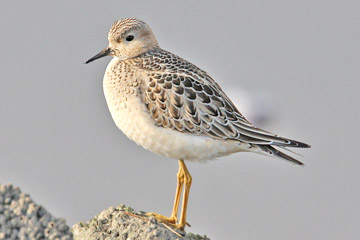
[275,152]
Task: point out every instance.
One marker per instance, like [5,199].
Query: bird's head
[128,38]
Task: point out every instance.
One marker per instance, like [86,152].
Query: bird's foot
[170,221]
[163,219]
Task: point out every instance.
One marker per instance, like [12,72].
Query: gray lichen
[21,218]
[120,223]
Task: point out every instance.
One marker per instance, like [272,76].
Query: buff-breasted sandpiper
[173,108]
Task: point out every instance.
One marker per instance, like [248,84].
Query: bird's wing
[182,97]
[182,103]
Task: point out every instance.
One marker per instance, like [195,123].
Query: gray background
[58,141]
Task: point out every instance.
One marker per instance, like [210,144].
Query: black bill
[106,52]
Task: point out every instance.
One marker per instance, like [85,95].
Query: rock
[22,218]
[120,223]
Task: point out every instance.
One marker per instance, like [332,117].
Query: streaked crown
[130,37]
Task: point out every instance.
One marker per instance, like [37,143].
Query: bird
[173,108]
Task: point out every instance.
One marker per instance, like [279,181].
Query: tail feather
[291,151]
[275,152]
[293,143]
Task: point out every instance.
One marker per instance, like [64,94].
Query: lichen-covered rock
[123,223]
[21,218]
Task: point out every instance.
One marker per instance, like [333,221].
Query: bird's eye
[129,38]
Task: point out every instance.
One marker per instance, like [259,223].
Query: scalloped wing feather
[182,97]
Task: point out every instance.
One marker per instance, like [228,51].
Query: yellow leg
[173,218]
[187,185]
[183,179]
[180,184]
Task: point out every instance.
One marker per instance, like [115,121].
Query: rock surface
[22,218]
[122,223]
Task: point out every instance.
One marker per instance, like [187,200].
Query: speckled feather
[179,96]
[185,98]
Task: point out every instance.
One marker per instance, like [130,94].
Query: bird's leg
[180,184]
[172,220]
[187,185]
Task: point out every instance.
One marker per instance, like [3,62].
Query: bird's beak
[106,52]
